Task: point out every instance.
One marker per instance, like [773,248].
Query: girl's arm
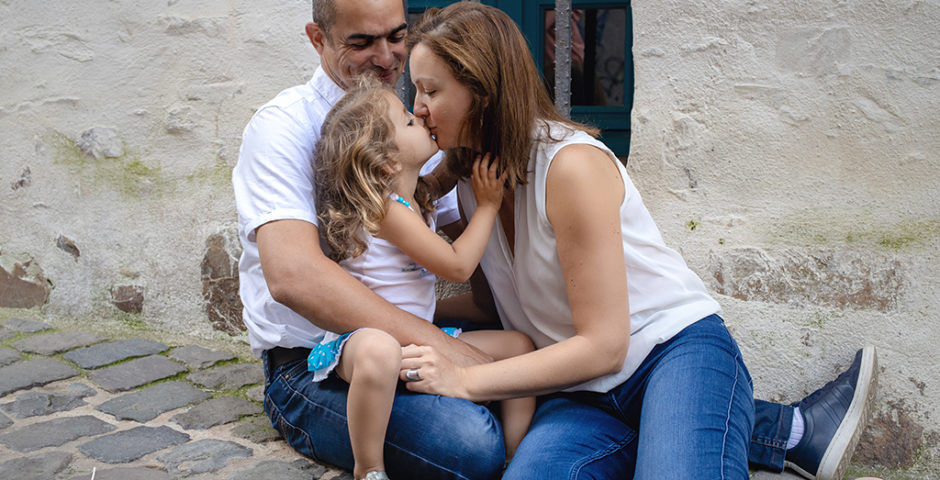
[452,261]
[583,198]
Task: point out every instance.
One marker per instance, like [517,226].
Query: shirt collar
[325,87]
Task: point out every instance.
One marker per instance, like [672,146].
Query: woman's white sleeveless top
[528,286]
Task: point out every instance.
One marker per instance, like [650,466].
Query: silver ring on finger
[412,375]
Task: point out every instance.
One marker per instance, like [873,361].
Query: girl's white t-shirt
[528,285]
[394,276]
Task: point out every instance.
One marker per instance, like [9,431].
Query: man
[292,292]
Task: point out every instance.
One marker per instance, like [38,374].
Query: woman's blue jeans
[687,413]
[429,437]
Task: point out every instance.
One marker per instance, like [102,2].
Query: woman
[644,379]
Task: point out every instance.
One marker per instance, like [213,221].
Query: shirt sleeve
[273,179]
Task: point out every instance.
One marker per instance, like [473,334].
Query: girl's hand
[437,374]
[487,186]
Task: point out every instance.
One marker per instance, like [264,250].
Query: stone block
[202,456]
[24,286]
[31,373]
[8,356]
[43,465]
[129,445]
[54,433]
[255,393]
[220,284]
[797,277]
[275,470]
[107,353]
[135,373]
[229,377]
[147,404]
[893,438]
[256,429]
[197,358]
[68,246]
[127,473]
[26,326]
[31,404]
[53,343]
[128,298]
[217,411]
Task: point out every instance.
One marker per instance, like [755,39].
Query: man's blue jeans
[429,437]
[772,423]
[686,413]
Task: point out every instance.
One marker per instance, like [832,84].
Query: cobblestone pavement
[76,404]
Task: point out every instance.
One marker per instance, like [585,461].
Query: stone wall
[789,150]
[122,121]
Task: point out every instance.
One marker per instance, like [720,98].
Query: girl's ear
[391,168]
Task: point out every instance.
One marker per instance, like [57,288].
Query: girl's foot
[375,475]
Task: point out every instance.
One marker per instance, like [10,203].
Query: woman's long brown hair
[486,52]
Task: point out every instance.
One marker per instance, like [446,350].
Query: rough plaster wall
[168,87]
[791,152]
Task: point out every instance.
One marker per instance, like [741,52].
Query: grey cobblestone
[217,411]
[145,405]
[255,393]
[54,433]
[107,353]
[256,429]
[53,343]
[228,377]
[135,373]
[6,334]
[31,373]
[66,418]
[43,465]
[8,356]
[127,473]
[274,470]
[26,326]
[197,358]
[128,445]
[31,404]
[202,456]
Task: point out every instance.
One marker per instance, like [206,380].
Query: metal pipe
[563,56]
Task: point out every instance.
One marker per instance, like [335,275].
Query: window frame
[529,15]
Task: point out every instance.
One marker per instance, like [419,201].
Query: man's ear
[317,36]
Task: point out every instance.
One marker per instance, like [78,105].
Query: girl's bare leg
[516,413]
[370,363]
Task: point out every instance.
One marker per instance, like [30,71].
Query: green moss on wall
[218,175]
[127,174]
[810,230]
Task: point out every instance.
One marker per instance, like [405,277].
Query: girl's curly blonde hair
[353,169]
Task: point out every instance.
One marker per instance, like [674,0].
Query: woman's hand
[487,186]
[435,374]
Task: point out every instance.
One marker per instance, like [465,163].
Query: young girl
[377,217]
